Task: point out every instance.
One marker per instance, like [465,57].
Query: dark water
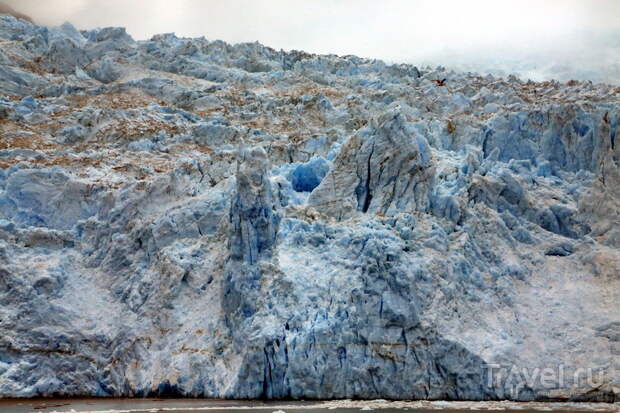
[228,406]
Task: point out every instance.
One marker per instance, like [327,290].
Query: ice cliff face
[187,217]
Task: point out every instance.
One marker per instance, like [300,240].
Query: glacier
[185,217]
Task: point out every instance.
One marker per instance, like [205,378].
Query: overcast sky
[535,38]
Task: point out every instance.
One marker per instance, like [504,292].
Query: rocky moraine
[192,218]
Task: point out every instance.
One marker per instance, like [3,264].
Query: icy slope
[187,217]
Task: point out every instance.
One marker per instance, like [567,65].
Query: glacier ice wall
[192,218]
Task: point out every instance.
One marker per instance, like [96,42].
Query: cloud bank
[4,9]
[539,39]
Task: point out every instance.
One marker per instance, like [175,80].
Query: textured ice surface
[188,217]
